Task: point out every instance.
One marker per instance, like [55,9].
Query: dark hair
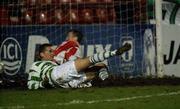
[41,49]
[77,34]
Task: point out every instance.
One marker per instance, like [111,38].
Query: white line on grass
[93,101]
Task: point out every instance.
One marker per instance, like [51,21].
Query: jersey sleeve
[59,58]
[65,46]
[73,53]
[66,51]
[33,84]
[34,80]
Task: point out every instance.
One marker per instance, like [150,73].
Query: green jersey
[38,72]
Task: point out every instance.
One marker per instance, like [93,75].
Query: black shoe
[124,48]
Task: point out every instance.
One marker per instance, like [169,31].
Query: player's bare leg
[82,64]
[99,69]
[90,75]
[95,67]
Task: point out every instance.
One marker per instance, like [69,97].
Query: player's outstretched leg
[101,56]
[123,49]
[82,64]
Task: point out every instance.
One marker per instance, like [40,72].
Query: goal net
[106,25]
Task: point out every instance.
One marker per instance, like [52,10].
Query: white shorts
[65,73]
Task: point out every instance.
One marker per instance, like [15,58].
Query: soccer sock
[103,73]
[101,56]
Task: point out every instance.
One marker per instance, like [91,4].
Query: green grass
[56,98]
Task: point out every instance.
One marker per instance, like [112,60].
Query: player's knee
[101,65]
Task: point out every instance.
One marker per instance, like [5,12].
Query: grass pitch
[141,97]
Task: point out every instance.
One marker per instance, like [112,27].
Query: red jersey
[68,50]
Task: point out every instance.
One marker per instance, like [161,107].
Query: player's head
[46,52]
[74,35]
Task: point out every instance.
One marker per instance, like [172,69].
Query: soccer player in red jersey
[70,48]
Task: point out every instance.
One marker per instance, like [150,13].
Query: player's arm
[64,51]
[65,46]
[34,84]
[34,80]
[73,53]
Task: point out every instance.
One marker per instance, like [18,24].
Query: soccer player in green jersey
[47,73]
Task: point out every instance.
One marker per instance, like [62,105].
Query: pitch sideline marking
[95,101]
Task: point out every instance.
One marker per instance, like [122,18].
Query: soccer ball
[1,67]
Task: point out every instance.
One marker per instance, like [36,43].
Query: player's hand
[45,82]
